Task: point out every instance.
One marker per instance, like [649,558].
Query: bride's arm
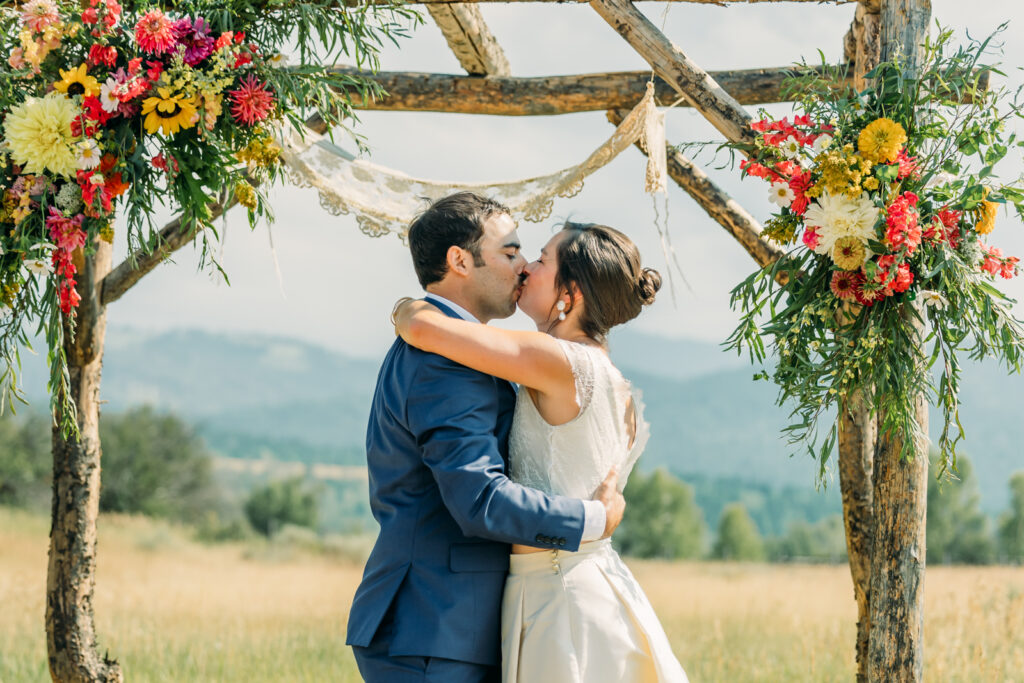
[533,359]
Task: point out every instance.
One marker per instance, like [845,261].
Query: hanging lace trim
[385,200]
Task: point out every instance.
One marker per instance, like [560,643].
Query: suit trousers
[377,666]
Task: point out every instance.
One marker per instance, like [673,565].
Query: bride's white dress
[580,617]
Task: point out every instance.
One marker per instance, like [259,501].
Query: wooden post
[71,577]
[896,645]
[858,432]
[857,441]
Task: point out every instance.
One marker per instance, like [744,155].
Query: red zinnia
[252,102]
[845,284]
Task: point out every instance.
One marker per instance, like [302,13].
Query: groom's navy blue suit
[437,454]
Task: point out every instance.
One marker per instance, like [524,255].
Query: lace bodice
[572,459]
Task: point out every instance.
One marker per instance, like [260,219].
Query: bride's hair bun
[648,285]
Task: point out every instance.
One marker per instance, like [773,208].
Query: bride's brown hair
[604,265]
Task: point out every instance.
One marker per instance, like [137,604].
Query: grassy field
[173,610]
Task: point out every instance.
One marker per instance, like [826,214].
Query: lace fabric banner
[385,200]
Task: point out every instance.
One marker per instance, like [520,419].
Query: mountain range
[282,398]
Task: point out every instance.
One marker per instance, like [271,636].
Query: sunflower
[77,82]
[881,140]
[38,134]
[169,113]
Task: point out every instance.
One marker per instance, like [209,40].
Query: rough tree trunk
[896,640]
[71,633]
[857,438]
[858,432]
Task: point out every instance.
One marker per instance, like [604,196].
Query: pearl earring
[561,309]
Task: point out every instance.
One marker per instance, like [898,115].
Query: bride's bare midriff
[522,549]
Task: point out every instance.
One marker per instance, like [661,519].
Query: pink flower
[251,102]
[66,233]
[38,15]
[17,58]
[811,238]
[799,184]
[155,33]
[901,217]
[907,165]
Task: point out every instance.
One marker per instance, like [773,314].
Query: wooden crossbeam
[470,39]
[550,95]
[709,98]
[725,210]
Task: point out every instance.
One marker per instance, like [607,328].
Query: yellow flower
[38,133]
[245,195]
[871,183]
[168,113]
[986,215]
[77,82]
[881,140]
[849,253]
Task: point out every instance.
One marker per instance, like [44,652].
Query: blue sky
[337,285]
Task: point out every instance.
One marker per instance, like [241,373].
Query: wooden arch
[883,497]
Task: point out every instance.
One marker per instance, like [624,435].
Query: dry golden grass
[173,610]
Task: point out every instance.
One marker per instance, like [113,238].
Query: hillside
[255,396]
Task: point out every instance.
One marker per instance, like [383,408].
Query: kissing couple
[496,506]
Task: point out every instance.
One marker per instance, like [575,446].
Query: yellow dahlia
[986,214]
[169,113]
[77,81]
[849,253]
[881,140]
[38,134]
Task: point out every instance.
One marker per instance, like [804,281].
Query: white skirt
[581,618]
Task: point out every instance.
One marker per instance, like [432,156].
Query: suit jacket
[436,451]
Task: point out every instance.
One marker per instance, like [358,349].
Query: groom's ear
[458,260]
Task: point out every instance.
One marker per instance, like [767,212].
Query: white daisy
[277,60]
[835,216]
[821,143]
[108,96]
[38,266]
[790,147]
[88,154]
[781,195]
[934,299]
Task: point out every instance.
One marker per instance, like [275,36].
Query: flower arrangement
[104,108]
[885,200]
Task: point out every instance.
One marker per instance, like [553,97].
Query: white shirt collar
[459,310]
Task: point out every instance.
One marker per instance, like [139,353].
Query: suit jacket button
[561,541]
[539,538]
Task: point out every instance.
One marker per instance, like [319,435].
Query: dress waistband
[530,563]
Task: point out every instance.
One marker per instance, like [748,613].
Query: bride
[567,617]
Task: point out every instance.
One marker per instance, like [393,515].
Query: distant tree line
[156,464]
[663,520]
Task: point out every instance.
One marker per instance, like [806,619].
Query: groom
[429,605]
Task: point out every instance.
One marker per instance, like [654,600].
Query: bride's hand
[405,313]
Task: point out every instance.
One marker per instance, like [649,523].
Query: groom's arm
[452,411]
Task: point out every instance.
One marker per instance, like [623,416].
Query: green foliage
[280,503]
[24,460]
[957,530]
[662,519]
[738,537]
[827,348]
[822,541]
[155,464]
[1011,525]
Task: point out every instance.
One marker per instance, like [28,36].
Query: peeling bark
[71,577]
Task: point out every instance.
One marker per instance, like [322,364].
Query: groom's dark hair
[456,220]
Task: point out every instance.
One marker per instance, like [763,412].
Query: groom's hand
[614,503]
